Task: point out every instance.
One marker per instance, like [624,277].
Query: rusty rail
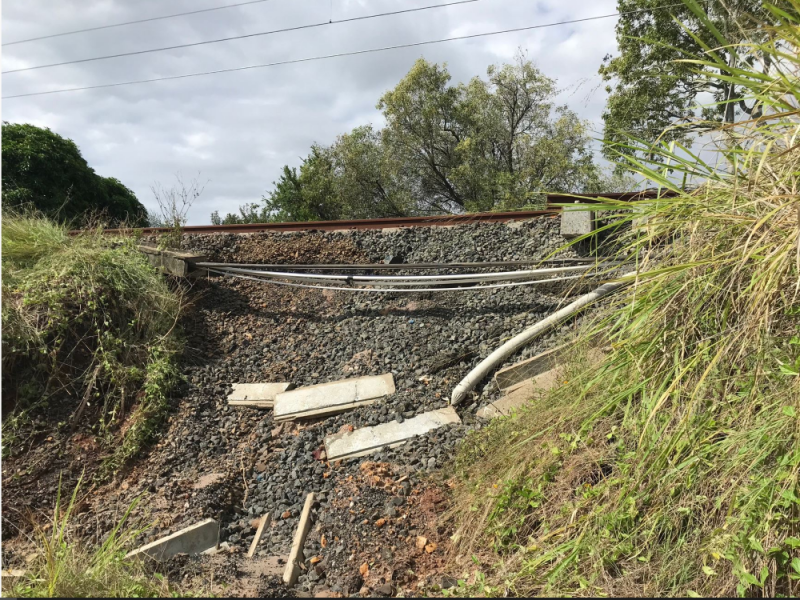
[553,200]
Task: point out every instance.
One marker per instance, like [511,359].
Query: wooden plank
[331,398]
[265,520]
[190,540]
[292,571]
[367,440]
[257,395]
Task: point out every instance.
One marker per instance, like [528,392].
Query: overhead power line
[241,37]
[327,56]
[99,27]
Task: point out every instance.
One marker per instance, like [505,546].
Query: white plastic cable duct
[518,341]
[361,287]
[411,280]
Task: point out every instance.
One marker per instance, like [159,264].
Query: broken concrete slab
[331,398]
[190,540]
[265,521]
[296,557]
[371,439]
[519,394]
[257,395]
[531,367]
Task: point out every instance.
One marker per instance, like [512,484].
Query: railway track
[553,201]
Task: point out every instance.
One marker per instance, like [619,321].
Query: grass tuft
[66,568]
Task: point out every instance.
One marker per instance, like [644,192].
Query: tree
[46,172]
[493,144]
[651,88]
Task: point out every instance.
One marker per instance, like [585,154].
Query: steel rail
[383,223]
[554,206]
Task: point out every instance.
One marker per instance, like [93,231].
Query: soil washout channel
[234,464]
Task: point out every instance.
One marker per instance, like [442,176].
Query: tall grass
[66,568]
[89,332]
[673,468]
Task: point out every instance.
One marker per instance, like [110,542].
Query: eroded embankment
[235,464]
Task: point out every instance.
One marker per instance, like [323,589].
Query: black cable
[240,37]
[193,12]
[339,55]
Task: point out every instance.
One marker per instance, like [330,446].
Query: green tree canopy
[45,171]
[490,144]
[652,88]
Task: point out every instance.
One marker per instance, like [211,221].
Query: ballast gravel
[241,331]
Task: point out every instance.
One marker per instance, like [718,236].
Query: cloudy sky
[237,130]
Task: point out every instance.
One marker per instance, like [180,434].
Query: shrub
[89,330]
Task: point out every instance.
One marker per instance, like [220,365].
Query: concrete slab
[531,367]
[575,223]
[173,262]
[367,440]
[331,398]
[190,540]
[265,521]
[296,557]
[519,394]
[256,395]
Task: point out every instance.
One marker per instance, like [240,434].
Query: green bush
[89,327]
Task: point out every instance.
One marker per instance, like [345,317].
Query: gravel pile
[244,331]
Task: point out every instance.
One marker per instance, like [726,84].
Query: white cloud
[239,129]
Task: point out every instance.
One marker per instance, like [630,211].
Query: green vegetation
[65,568]
[652,88]
[672,468]
[45,172]
[89,333]
[493,144]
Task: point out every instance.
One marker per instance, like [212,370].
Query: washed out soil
[376,527]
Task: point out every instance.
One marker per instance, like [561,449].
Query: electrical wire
[242,37]
[328,56]
[409,280]
[385,290]
[99,27]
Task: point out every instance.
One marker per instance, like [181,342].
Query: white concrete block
[258,395]
[575,223]
[331,398]
[371,439]
[520,394]
[190,540]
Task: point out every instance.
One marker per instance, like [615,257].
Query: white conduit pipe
[229,273]
[518,341]
[410,280]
